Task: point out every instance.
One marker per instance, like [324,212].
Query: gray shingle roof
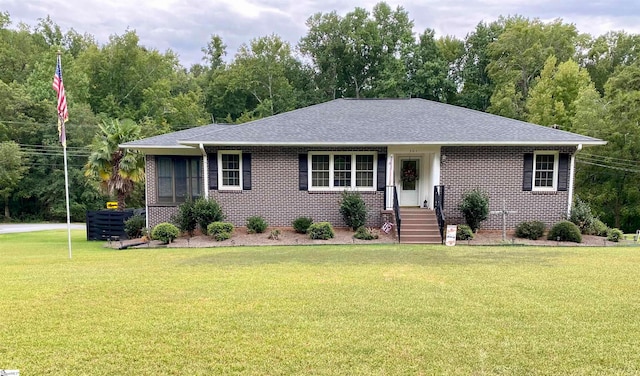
[375,122]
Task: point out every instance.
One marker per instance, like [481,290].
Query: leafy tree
[214,52]
[607,177]
[12,170]
[118,169]
[552,99]
[519,53]
[260,70]
[477,86]
[608,52]
[126,78]
[429,71]
[362,54]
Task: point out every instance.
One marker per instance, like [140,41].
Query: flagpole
[58,86]
[66,191]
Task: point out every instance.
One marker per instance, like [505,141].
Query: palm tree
[118,169]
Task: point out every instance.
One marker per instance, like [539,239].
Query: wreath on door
[409,173]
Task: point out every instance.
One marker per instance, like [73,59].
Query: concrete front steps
[419,226]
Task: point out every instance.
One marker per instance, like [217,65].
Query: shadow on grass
[368,255]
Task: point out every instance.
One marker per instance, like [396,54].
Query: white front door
[409,176]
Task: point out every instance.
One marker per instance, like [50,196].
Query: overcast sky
[186,25]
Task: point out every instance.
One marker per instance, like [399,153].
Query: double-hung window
[339,171]
[230,170]
[545,171]
[179,178]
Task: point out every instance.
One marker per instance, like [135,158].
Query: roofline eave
[594,142]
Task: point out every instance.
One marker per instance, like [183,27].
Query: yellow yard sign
[112,204]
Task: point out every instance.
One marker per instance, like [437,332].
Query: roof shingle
[374,122]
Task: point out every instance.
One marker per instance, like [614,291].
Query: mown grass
[317,310]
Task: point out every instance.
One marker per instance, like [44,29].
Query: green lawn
[317,310]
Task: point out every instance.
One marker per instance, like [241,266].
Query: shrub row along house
[410,152]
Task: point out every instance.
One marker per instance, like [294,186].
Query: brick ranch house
[298,163]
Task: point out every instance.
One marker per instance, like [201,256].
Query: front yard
[319,309]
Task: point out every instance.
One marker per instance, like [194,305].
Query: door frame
[421,177]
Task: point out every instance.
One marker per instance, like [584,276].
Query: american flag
[63,113]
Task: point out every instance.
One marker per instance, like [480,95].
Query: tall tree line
[544,72]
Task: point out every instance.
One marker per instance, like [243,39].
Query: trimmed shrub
[599,228]
[321,230]
[301,224]
[220,230]
[582,216]
[353,209]
[256,225]
[221,236]
[530,230]
[464,232]
[474,208]
[165,232]
[185,218]
[366,233]
[134,225]
[565,231]
[615,235]
[218,227]
[207,211]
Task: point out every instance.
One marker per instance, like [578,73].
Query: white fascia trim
[468,143]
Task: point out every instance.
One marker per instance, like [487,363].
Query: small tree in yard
[185,218]
[353,210]
[474,208]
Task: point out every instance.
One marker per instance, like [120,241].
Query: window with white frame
[545,171]
[341,171]
[230,170]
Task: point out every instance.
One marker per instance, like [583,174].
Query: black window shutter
[563,172]
[303,172]
[527,174]
[382,171]
[213,171]
[246,171]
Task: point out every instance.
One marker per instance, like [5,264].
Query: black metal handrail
[438,205]
[396,210]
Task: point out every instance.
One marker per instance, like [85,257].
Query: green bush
[582,216]
[165,232]
[599,228]
[185,218]
[320,230]
[366,233]
[221,236]
[301,224]
[464,232]
[133,226]
[530,230]
[615,235]
[256,225]
[219,227]
[207,211]
[353,209]
[474,208]
[565,231]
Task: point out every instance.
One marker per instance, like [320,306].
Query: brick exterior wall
[274,192]
[498,171]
